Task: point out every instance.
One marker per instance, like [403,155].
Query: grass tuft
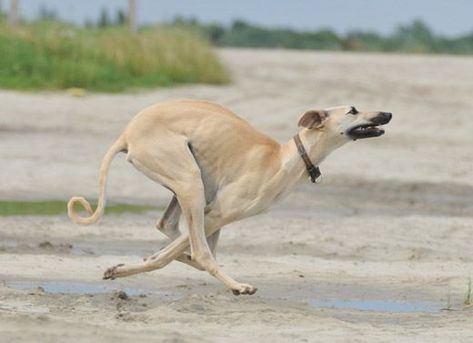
[51,55]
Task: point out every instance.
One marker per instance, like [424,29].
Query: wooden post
[13,17]
[132,24]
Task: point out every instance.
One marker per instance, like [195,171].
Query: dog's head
[346,122]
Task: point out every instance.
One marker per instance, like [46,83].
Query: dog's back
[220,140]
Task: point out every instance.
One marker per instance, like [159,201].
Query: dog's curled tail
[118,146]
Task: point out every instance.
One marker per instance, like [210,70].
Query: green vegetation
[24,208]
[415,37]
[106,56]
[52,55]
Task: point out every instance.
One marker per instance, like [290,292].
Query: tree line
[415,37]
[45,14]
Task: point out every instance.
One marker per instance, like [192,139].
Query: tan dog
[220,170]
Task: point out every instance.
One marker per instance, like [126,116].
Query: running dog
[220,170]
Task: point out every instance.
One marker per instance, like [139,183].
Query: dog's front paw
[244,289]
[111,273]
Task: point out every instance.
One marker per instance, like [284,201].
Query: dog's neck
[318,145]
[291,168]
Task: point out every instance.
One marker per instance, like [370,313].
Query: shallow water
[374,305]
[71,287]
[392,306]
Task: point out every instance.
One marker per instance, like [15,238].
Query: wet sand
[380,251]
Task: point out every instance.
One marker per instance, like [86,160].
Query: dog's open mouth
[365,131]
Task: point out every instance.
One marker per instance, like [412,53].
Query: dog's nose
[382,118]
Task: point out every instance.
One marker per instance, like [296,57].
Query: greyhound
[220,170]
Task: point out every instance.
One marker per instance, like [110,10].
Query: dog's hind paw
[111,273]
[244,289]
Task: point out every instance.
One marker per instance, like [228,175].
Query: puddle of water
[391,306]
[71,287]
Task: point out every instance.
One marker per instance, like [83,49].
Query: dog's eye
[353,111]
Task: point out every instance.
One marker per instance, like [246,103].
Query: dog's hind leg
[182,175]
[212,241]
[187,259]
[171,252]
[157,261]
[168,224]
[167,255]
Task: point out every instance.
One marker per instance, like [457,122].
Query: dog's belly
[225,210]
[245,197]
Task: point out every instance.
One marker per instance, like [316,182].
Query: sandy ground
[380,251]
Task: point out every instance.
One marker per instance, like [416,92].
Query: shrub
[58,56]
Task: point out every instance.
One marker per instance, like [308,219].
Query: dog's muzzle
[371,129]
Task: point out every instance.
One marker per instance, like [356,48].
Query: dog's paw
[111,273]
[244,289]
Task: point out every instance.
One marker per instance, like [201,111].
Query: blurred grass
[56,207]
[52,55]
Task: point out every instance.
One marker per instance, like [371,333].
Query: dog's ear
[313,119]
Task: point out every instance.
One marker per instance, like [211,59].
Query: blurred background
[88,44]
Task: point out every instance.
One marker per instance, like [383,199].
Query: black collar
[313,171]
